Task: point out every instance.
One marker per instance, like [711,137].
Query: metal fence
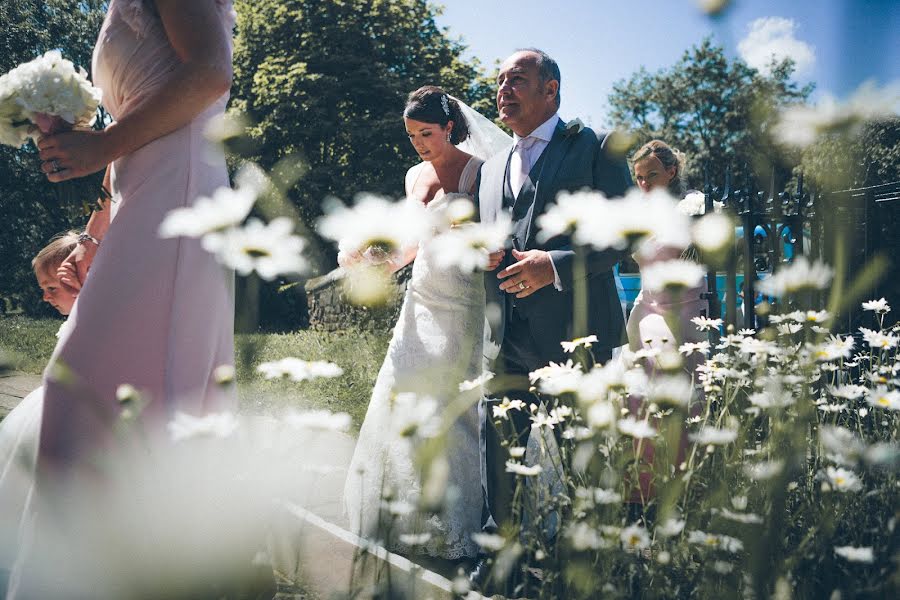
[777,226]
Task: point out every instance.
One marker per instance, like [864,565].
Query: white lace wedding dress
[437,344]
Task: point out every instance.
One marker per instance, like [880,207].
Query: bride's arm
[204,73]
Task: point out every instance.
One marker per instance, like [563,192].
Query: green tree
[327,81]
[713,109]
[30,205]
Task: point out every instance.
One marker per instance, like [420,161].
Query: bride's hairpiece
[445,104]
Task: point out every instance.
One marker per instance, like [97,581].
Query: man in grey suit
[530,287]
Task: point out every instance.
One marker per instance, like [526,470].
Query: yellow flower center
[840,481]
[883,401]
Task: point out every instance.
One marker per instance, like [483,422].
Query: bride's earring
[448,136]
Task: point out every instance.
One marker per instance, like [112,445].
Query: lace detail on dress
[437,344]
[141,15]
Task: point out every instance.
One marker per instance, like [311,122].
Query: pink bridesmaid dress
[153,313]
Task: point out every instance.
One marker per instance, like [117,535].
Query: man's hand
[73,271]
[532,271]
[494,259]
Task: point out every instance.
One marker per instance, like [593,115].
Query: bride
[436,345]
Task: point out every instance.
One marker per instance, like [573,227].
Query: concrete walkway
[311,544]
[13,387]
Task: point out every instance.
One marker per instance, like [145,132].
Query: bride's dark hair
[431,104]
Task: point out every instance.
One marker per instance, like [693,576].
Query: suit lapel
[554,154]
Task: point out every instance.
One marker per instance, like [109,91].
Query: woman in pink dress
[156,314]
[660,320]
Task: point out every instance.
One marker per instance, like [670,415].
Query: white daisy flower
[541,419]
[673,275]
[398,508]
[415,415]
[798,276]
[863,554]
[800,125]
[376,222]
[584,537]
[270,250]
[226,208]
[674,390]
[713,233]
[706,324]
[638,429]
[555,370]
[489,541]
[524,470]
[789,328]
[879,340]
[689,348]
[322,420]
[746,518]
[769,399]
[297,369]
[840,444]
[477,383]
[713,436]
[468,246]
[882,397]
[602,496]
[670,528]
[634,537]
[763,471]
[842,480]
[215,425]
[517,451]
[835,348]
[715,541]
[879,306]
[848,391]
[601,414]
[506,405]
[414,539]
[586,342]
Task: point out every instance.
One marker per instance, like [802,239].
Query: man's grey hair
[548,69]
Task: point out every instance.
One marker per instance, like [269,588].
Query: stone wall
[329,309]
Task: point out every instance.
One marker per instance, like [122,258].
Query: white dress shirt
[543,134]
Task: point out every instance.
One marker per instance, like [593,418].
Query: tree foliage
[714,109]
[30,205]
[327,81]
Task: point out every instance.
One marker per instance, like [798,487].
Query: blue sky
[597,42]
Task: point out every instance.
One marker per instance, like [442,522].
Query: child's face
[58,295]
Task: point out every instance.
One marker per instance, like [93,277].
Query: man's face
[523,100]
[58,295]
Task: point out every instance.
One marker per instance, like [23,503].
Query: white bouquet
[48,93]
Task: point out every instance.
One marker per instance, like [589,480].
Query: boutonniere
[574,127]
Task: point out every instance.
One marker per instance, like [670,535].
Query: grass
[29,343]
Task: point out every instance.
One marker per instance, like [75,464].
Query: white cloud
[773,37]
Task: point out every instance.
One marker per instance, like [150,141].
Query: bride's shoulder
[412,175]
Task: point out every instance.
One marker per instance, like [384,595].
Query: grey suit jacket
[574,161]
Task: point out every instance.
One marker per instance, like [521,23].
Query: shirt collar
[544,131]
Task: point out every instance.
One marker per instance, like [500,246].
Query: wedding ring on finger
[56,167]
[522,285]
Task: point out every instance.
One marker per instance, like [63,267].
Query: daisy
[856,554]
[879,306]
[712,540]
[635,537]
[689,348]
[713,436]
[673,275]
[215,425]
[505,406]
[376,222]
[881,397]
[879,340]
[322,420]
[706,324]
[297,369]
[843,480]
[798,276]
[270,250]
[225,208]
[638,429]
[519,469]
[468,246]
[585,342]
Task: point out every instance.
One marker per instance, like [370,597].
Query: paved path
[311,543]
[13,387]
